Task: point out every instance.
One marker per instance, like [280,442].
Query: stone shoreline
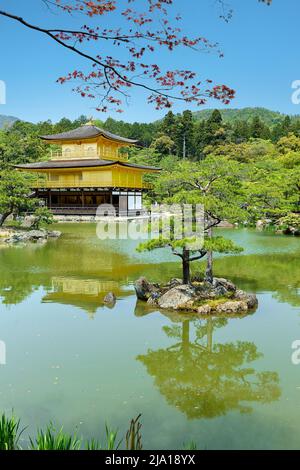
[62,219]
[14,236]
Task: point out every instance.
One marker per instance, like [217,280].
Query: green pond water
[225,383]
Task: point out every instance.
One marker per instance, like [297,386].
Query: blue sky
[261,59]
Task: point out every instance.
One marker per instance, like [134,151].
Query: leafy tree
[168,125]
[43,216]
[271,190]
[184,135]
[216,118]
[241,131]
[287,125]
[289,143]
[63,125]
[14,195]
[258,130]
[145,157]
[164,145]
[210,133]
[253,151]
[20,144]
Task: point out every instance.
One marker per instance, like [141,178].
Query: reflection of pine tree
[204,380]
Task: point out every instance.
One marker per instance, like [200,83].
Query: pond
[225,383]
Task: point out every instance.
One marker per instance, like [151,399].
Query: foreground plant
[110,444]
[51,439]
[190,446]
[54,440]
[9,433]
[133,435]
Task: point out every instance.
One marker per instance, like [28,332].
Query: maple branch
[106,67]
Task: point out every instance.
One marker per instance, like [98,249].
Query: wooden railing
[77,183]
[87,154]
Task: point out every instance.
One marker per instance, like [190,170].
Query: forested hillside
[180,136]
[232,115]
[6,121]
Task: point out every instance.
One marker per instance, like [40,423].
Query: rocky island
[219,297]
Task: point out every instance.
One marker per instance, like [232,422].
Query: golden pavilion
[88,167]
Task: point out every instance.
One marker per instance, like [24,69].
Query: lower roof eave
[90,188]
[82,165]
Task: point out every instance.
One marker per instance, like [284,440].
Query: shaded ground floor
[89,201]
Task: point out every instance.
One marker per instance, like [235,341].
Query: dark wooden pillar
[123,205]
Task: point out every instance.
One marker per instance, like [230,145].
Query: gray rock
[28,221]
[203,290]
[260,225]
[236,306]
[250,299]
[219,291]
[174,282]
[144,288]
[225,283]
[204,309]
[16,238]
[263,223]
[54,234]
[153,300]
[34,235]
[110,299]
[178,298]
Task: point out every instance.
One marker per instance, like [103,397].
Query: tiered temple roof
[87,132]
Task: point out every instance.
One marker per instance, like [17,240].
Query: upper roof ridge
[86,131]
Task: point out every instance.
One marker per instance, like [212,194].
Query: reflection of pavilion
[87,294]
[206,380]
[83,286]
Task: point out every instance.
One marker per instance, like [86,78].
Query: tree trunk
[209,264]
[3,217]
[209,335]
[185,345]
[186,267]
